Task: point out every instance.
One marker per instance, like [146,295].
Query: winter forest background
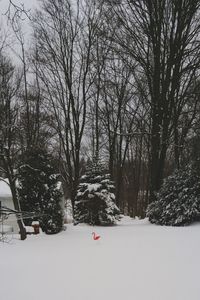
[107,81]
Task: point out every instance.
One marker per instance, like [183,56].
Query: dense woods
[118,80]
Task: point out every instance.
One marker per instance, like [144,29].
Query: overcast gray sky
[28,4]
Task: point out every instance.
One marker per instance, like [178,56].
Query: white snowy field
[132,261]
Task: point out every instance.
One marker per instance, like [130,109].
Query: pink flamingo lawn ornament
[95,237]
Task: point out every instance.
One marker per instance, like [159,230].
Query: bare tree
[119,114]
[162,37]
[65,35]
[9,129]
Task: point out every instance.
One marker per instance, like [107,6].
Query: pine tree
[94,203]
[38,189]
[178,201]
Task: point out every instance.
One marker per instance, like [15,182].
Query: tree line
[113,79]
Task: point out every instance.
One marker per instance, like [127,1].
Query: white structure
[9,224]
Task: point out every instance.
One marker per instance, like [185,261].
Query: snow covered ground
[132,261]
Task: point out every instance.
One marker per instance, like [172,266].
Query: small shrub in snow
[95,199]
[178,201]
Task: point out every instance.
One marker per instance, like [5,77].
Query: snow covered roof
[5,189]
[6,192]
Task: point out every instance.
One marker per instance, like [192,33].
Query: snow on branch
[130,133]
[4,180]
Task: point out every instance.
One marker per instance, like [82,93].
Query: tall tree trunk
[10,175]
[22,229]
[154,182]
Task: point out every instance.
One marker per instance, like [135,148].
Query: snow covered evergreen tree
[178,201]
[94,203]
[38,189]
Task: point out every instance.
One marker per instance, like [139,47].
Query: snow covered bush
[39,191]
[178,201]
[94,203]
